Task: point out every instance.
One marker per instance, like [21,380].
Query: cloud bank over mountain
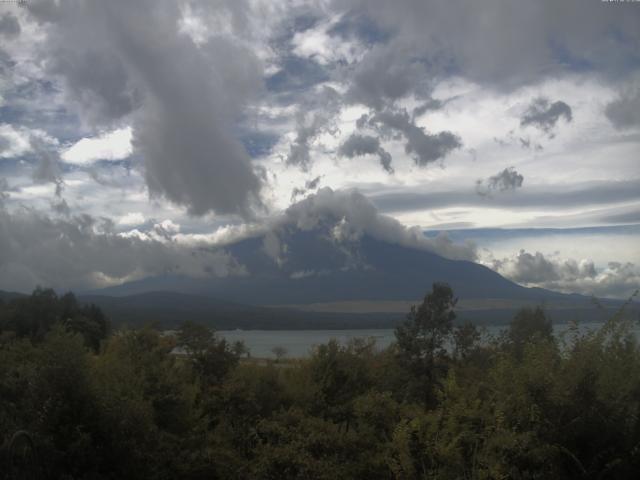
[569,275]
[220,116]
[88,252]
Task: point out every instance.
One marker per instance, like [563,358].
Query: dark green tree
[211,357]
[529,325]
[466,338]
[422,339]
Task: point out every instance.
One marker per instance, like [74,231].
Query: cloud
[14,141]
[4,187]
[131,218]
[350,215]
[358,145]
[324,107]
[429,105]
[113,60]
[274,248]
[556,197]
[9,26]
[387,73]
[61,207]
[114,145]
[313,184]
[84,252]
[297,275]
[317,43]
[484,41]
[507,180]
[37,149]
[215,91]
[308,186]
[568,275]
[544,115]
[47,169]
[624,112]
[424,147]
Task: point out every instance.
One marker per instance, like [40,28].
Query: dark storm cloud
[485,41]
[554,197]
[9,26]
[624,112]
[121,59]
[544,115]
[507,180]
[382,77]
[424,147]
[357,145]
[98,82]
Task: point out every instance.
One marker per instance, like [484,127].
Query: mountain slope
[336,247]
[316,270]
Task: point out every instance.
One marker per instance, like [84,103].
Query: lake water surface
[300,343]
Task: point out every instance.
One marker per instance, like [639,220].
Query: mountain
[316,269]
[328,261]
[334,254]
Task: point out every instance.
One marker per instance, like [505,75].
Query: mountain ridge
[380,271]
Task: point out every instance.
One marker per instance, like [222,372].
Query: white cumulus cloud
[114,145]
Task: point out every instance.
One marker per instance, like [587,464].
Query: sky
[138,138]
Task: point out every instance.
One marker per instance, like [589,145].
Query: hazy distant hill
[169,309]
[7,296]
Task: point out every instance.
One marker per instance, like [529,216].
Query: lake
[299,343]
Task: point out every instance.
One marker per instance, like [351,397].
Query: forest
[82,400]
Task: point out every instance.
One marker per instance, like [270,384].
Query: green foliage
[422,339]
[212,358]
[34,316]
[529,326]
[440,403]
[339,374]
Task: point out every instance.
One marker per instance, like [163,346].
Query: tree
[340,374]
[465,337]
[212,358]
[279,351]
[34,316]
[422,338]
[529,326]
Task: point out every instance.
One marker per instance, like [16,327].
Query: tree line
[79,401]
